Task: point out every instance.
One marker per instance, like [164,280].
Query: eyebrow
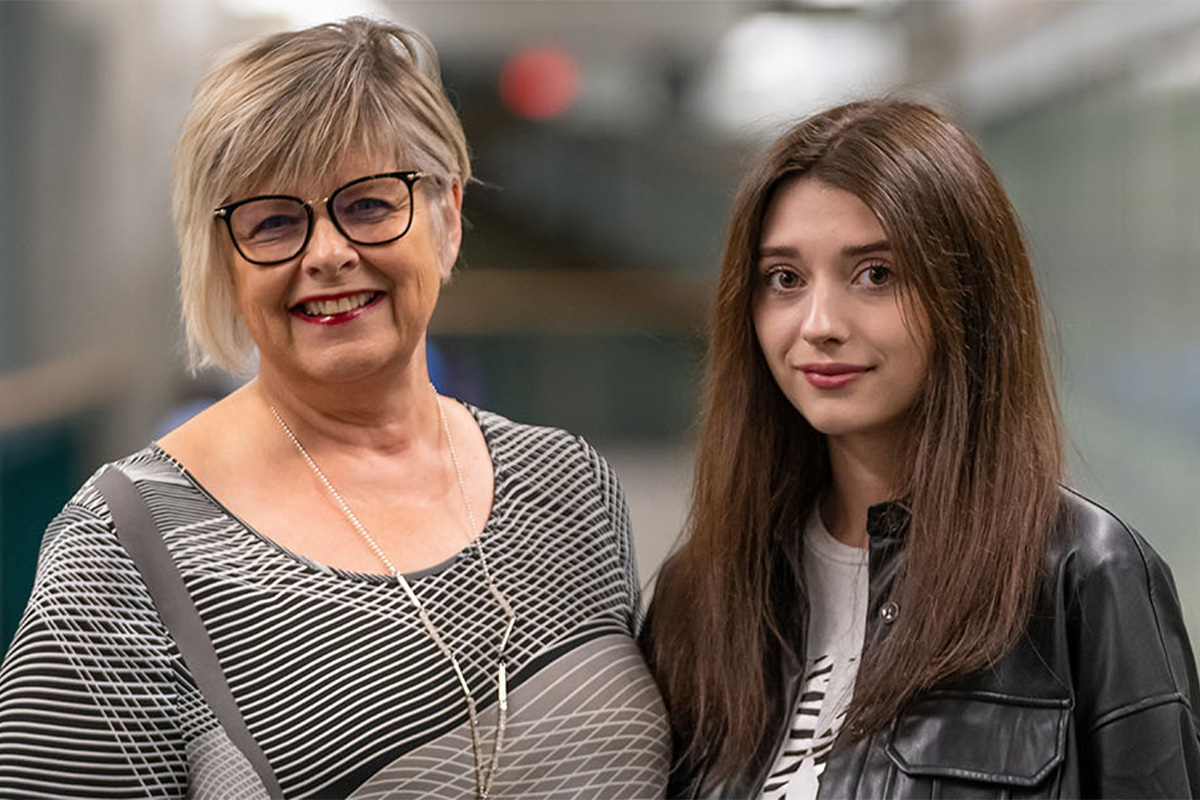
[777,252]
[871,247]
[786,251]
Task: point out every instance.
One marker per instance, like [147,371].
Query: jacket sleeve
[1136,684]
[88,697]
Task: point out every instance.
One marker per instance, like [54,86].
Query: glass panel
[271,228]
[374,211]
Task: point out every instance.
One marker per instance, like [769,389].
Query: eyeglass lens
[366,212]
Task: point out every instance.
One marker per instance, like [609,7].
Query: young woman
[885,590]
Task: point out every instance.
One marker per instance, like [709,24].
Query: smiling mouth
[334,306]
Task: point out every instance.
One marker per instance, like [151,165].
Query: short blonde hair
[287,108]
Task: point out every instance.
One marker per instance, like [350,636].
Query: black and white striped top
[336,678]
[836,577]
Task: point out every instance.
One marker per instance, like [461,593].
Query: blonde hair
[284,109]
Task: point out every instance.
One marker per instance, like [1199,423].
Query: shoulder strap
[137,532]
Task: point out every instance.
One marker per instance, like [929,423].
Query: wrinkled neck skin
[388,413]
[863,473]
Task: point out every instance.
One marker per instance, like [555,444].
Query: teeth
[325,308]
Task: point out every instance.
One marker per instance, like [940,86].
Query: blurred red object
[540,83]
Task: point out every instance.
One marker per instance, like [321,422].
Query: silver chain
[484,776]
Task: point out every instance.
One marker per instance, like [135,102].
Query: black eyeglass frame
[225,212]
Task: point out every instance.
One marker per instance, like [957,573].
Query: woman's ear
[451,208]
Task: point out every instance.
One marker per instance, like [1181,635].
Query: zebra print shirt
[836,577]
[336,678]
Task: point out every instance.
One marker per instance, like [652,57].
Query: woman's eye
[781,280]
[367,209]
[876,276]
[275,226]
[366,204]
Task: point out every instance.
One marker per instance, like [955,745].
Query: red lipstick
[335,309]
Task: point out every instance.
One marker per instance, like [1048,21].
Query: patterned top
[337,680]
[835,575]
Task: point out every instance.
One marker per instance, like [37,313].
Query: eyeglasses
[273,228]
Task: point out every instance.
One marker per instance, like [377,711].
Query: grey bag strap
[137,532]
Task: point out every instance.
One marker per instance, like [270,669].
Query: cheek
[243,297]
[438,225]
[258,298]
[908,325]
[915,360]
[427,260]
[920,343]
[770,329]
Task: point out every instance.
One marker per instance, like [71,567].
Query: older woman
[366,589]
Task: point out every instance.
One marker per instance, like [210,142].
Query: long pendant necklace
[484,775]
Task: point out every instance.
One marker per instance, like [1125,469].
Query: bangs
[289,144]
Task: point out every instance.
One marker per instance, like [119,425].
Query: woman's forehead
[311,181]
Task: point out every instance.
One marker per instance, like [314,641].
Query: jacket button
[889,611]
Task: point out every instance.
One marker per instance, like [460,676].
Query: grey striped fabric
[335,677]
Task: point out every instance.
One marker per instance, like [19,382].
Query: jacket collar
[888,521]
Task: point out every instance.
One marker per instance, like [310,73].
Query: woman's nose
[328,250]
[824,315]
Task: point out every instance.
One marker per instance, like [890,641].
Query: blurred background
[609,137]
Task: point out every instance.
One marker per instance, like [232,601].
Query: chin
[347,367]
[836,418]
[846,427]
[830,427]
[342,373]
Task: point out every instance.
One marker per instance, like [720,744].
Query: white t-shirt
[836,576]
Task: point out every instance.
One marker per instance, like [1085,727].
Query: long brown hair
[983,459]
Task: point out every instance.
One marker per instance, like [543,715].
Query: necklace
[484,775]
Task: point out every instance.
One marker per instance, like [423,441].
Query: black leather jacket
[1096,700]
